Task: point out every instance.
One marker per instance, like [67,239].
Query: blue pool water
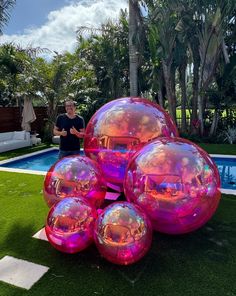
[227,170]
[39,162]
[44,160]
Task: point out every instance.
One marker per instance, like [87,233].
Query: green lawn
[219,148]
[200,263]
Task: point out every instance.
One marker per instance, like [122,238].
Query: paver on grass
[20,273]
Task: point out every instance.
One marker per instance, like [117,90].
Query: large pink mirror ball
[175,182]
[74,176]
[70,224]
[123,233]
[120,128]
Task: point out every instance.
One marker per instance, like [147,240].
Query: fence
[10,119]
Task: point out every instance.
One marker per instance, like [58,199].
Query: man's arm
[57,132]
[79,134]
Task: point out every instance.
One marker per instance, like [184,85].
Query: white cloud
[59,32]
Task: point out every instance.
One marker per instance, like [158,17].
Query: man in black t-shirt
[70,127]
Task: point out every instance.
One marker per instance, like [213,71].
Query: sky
[52,24]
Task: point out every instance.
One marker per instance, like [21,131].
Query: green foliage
[107,51]
[193,40]
[5,7]
[224,149]
[192,31]
[17,72]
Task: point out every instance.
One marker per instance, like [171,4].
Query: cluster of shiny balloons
[131,144]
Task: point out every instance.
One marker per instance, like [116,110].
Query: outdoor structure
[14,140]
[56,139]
[34,139]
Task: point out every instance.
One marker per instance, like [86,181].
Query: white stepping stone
[41,235]
[20,273]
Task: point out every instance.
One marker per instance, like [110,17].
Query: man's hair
[70,101]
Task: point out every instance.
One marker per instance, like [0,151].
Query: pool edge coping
[223,155]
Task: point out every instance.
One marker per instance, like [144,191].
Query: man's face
[70,107]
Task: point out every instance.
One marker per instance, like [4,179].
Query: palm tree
[133,49]
[162,23]
[5,6]
[137,40]
[15,66]
[12,63]
[106,50]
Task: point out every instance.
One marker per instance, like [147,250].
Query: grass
[201,263]
[219,148]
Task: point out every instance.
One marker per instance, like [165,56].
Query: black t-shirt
[69,142]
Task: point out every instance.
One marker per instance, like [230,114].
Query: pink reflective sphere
[175,182]
[123,233]
[70,224]
[120,128]
[74,176]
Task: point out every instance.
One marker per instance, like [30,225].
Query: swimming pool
[227,170]
[35,163]
[40,162]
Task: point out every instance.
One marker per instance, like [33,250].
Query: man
[70,127]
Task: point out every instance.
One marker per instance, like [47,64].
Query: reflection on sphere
[123,233]
[175,182]
[70,224]
[74,176]
[120,128]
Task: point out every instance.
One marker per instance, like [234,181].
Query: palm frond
[5,6]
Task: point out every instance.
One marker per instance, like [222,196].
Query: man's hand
[77,133]
[63,133]
[73,131]
[82,132]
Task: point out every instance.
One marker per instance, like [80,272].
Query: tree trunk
[182,80]
[214,124]
[133,51]
[200,111]
[169,90]
[52,111]
[200,100]
[160,98]
[194,116]
[158,85]
[225,53]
